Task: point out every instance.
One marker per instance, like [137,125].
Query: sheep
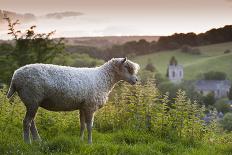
[64,88]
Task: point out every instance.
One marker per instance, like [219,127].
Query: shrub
[209,99]
[227,51]
[29,47]
[150,67]
[214,75]
[143,108]
[227,122]
[230,93]
[190,50]
[222,106]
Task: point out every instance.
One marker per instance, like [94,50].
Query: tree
[173,61]
[150,67]
[209,99]
[29,47]
[227,122]
[230,93]
[222,106]
[214,75]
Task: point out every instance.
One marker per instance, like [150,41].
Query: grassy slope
[212,58]
[120,142]
[60,134]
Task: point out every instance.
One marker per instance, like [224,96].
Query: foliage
[211,59]
[214,75]
[146,75]
[230,93]
[140,118]
[150,67]
[144,108]
[212,36]
[209,99]
[227,122]
[189,50]
[29,47]
[222,106]
[187,86]
[77,60]
[173,61]
[175,41]
[227,51]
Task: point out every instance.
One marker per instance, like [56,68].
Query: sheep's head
[127,70]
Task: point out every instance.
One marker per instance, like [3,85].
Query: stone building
[175,73]
[220,88]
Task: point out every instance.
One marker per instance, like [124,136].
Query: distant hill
[213,58]
[60,15]
[107,41]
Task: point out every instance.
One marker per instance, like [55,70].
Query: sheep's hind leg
[34,131]
[30,114]
[82,124]
[89,122]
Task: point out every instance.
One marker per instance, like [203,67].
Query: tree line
[175,41]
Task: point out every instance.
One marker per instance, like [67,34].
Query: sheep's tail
[11,90]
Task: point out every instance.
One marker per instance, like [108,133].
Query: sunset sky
[126,17]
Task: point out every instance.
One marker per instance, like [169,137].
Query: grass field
[60,135]
[120,143]
[212,58]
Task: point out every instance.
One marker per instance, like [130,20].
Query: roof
[175,66]
[212,84]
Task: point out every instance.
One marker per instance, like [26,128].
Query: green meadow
[212,58]
[119,128]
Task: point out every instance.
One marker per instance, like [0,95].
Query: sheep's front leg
[89,122]
[82,123]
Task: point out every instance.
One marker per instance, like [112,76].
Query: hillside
[212,58]
[106,41]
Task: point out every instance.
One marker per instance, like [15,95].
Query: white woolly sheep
[62,88]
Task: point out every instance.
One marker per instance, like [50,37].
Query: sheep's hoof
[27,141]
[37,140]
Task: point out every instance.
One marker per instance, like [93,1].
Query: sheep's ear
[124,60]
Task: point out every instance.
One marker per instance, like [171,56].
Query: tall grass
[136,120]
[144,108]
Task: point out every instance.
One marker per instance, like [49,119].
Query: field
[119,128]
[212,58]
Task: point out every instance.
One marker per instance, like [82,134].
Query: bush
[29,47]
[214,75]
[227,51]
[230,93]
[222,106]
[150,67]
[143,108]
[227,122]
[209,99]
[188,49]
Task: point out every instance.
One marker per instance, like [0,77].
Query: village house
[220,88]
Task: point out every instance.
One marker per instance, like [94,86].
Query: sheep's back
[59,83]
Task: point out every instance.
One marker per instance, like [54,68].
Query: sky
[126,17]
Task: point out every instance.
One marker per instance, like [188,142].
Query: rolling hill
[106,41]
[212,58]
